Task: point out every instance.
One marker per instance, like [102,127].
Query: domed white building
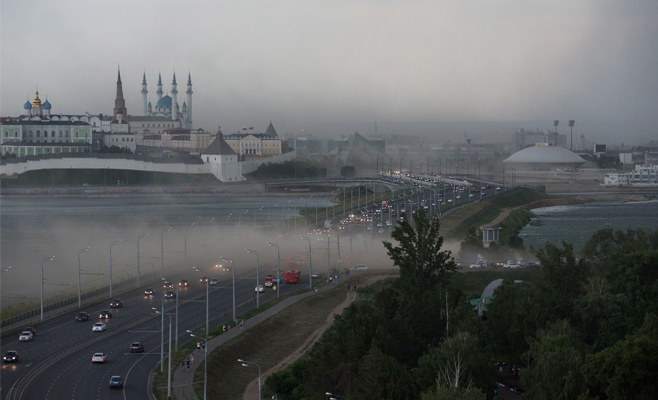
[544,157]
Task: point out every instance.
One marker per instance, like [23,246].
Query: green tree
[628,369]
[472,242]
[381,377]
[423,265]
[555,359]
[453,393]
[562,278]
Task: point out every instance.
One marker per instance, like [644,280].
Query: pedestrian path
[183,379]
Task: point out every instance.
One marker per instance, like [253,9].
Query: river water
[577,223]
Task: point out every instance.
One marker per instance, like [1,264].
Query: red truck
[293,276]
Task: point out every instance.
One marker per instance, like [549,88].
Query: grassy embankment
[268,343]
[455,226]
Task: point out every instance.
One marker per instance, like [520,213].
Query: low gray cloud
[336,67]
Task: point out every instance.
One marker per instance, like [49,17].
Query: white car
[99,358]
[476,265]
[511,264]
[98,327]
[360,267]
[259,289]
[26,336]
[214,281]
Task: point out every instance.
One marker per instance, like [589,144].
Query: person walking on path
[336,280]
[191,359]
[198,346]
[188,365]
[229,328]
[203,346]
[182,364]
[224,328]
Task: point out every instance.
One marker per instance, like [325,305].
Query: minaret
[174,104]
[189,101]
[119,102]
[159,92]
[144,93]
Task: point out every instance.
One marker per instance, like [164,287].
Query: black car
[82,317]
[168,285]
[183,282]
[11,356]
[149,292]
[116,303]
[170,295]
[136,347]
[105,315]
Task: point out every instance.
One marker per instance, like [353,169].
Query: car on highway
[203,279]
[149,292]
[170,294]
[98,327]
[214,281]
[184,282]
[25,336]
[99,358]
[105,314]
[268,284]
[82,317]
[168,285]
[116,382]
[136,347]
[259,289]
[477,265]
[360,267]
[511,264]
[116,303]
[30,329]
[314,276]
[269,277]
[10,357]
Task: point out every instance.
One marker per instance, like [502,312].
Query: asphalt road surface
[75,377]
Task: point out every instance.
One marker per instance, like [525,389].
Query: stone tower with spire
[120,111]
[189,100]
[174,103]
[144,93]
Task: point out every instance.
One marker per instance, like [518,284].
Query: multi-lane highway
[75,377]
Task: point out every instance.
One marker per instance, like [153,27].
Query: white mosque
[167,106]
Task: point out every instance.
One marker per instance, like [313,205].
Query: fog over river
[36,228]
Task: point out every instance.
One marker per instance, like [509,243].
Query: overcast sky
[335,67]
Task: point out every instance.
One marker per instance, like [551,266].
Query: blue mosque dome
[27,105]
[47,105]
[164,102]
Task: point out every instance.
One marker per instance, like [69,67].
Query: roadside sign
[278,280]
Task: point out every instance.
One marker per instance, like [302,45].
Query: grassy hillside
[487,211]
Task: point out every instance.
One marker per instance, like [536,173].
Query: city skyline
[420,68]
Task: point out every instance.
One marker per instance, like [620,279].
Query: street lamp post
[310,263]
[42,261]
[162,250]
[207,295]
[246,364]
[79,272]
[112,244]
[278,266]
[139,237]
[233,272]
[162,312]
[257,267]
